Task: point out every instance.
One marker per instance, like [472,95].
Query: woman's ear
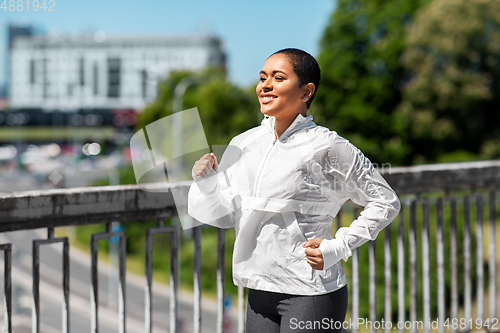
[308,91]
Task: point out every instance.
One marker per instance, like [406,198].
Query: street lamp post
[180,90]
[177,127]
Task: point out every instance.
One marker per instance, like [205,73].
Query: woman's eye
[262,79]
[279,78]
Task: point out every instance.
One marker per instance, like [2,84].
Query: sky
[251,30]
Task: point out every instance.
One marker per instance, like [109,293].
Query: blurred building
[8,32]
[89,87]
[67,73]
[3,59]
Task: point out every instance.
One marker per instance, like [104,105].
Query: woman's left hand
[313,253]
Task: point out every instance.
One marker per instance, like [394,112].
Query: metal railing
[467,178]
[408,267]
[104,205]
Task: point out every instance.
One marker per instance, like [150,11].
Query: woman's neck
[281,124]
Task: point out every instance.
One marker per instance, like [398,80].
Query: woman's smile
[267,98]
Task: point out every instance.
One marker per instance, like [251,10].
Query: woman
[283,184]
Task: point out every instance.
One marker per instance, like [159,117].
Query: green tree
[362,75]
[451,102]
[225,109]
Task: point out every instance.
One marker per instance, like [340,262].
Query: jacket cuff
[208,184]
[333,251]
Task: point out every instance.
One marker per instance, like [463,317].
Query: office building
[98,72]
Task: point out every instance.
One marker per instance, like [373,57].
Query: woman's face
[279,92]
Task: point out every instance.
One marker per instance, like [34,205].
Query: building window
[95,75]
[82,72]
[45,78]
[144,83]
[114,77]
[32,71]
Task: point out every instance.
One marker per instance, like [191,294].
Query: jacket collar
[299,123]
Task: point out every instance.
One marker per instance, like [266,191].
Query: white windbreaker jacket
[277,194]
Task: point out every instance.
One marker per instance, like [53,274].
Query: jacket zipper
[257,179]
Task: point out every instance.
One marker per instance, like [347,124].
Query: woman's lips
[267,99]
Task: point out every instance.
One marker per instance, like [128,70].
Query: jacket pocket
[293,228]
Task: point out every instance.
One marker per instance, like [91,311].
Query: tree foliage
[450,105]
[362,74]
[413,81]
[225,109]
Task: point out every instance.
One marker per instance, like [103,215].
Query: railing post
[35,315]
[7,287]
[401,270]
[479,258]
[355,284]
[36,280]
[372,282]
[122,284]
[453,266]
[492,255]
[173,231]
[412,240]
[221,245]
[440,261]
[467,261]
[197,279]
[66,324]
[94,278]
[355,289]
[387,275]
[174,279]
[426,269]
[148,296]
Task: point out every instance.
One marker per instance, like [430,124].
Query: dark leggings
[269,312]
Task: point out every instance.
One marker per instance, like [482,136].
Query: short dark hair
[305,66]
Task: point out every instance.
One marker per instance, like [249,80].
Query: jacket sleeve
[357,178]
[210,198]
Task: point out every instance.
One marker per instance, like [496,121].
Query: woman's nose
[266,84]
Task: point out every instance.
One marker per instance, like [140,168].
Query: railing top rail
[446,166]
[88,205]
[152,187]
[443,176]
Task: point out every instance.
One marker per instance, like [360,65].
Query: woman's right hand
[204,165]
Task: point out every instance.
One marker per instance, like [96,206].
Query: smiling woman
[274,76]
[289,178]
[282,92]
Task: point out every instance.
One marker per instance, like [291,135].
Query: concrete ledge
[444,177]
[88,205]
